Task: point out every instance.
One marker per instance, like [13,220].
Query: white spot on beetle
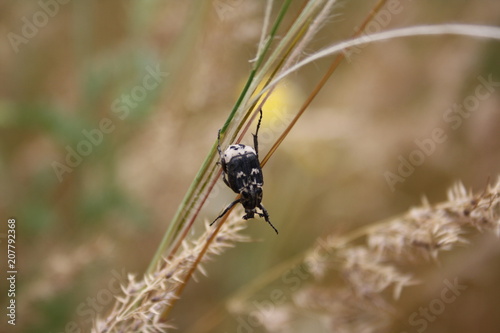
[235,150]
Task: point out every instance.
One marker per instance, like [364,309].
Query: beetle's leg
[255,139]
[224,178]
[227,209]
[224,175]
[218,144]
[265,215]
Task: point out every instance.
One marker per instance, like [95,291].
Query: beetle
[242,173]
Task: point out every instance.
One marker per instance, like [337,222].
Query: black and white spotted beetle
[241,172]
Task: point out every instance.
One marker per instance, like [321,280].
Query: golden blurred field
[108,109]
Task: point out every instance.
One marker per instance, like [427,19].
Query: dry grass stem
[470,30]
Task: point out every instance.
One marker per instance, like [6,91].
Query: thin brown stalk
[334,65]
[198,259]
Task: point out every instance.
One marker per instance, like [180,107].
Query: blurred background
[108,108]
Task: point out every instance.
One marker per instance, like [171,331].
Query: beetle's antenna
[265,215]
[255,140]
[226,210]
